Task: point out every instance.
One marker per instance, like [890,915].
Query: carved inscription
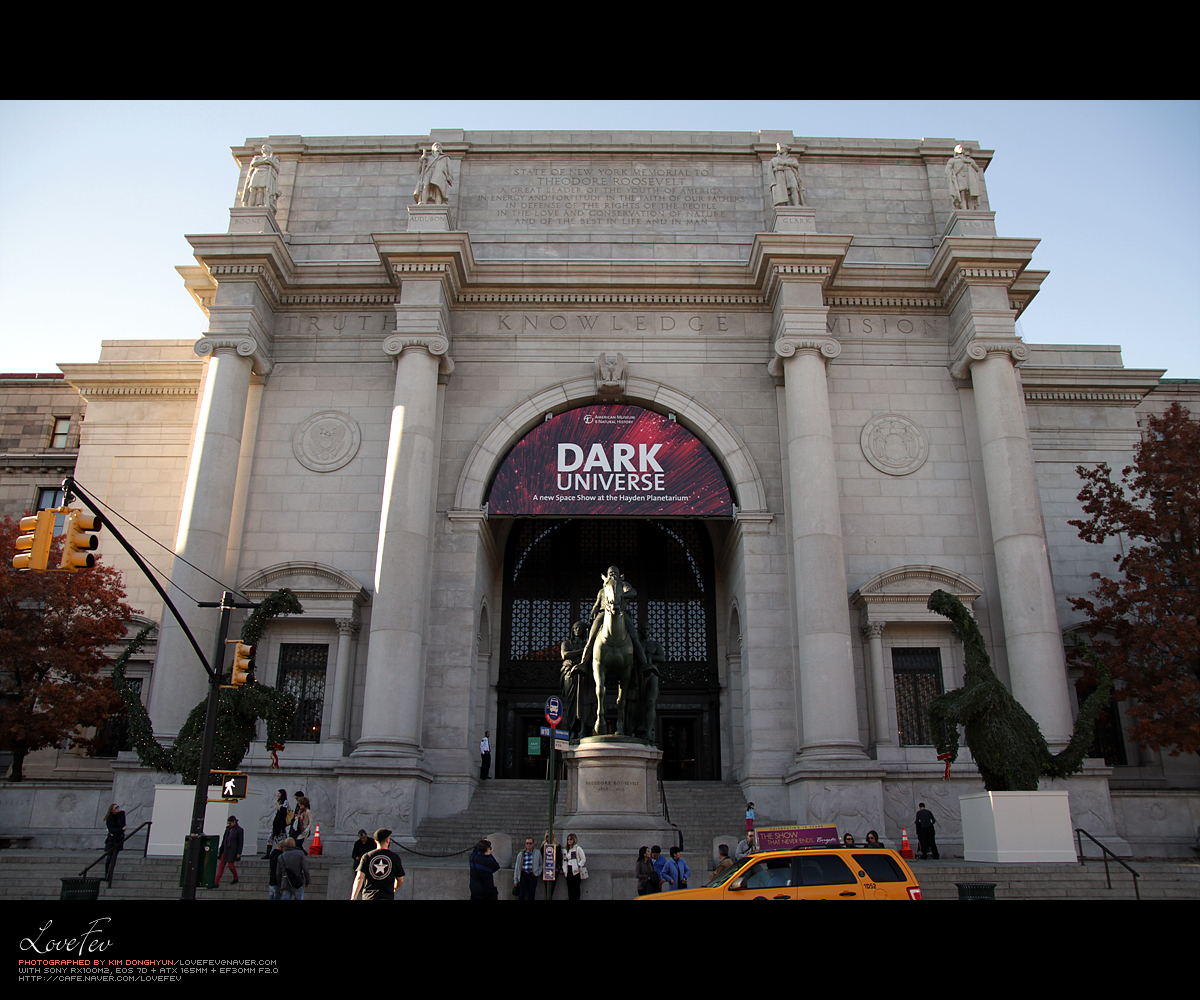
[639,195]
[607,323]
[880,326]
[336,322]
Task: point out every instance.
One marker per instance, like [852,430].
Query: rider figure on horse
[626,591]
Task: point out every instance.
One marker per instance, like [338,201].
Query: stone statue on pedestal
[262,181]
[433,187]
[964,178]
[786,186]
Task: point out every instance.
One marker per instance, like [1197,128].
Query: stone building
[41,416]
[829,324]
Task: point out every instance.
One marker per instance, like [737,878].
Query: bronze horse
[612,652]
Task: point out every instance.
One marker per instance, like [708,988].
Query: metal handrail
[120,847]
[662,797]
[1107,854]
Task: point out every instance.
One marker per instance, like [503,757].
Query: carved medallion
[894,444]
[326,441]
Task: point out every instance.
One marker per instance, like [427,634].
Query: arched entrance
[552,570]
[544,563]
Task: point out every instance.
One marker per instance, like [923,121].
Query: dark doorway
[553,568]
[679,743]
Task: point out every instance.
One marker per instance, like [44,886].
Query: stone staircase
[34,874]
[1158,880]
[37,874]
[701,810]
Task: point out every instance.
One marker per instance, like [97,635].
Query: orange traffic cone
[315,846]
[905,846]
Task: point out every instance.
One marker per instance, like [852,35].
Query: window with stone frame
[302,668]
[48,497]
[918,678]
[61,433]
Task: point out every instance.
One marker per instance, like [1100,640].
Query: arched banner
[610,460]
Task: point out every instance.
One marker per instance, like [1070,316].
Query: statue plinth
[429,218]
[612,802]
[253,220]
[970,222]
[794,219]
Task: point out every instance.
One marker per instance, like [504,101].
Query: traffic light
[243,660]
[33,550]
[78,543]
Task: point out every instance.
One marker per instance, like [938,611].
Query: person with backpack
[292,871]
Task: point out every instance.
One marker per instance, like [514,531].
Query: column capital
[435,343]
[872,630]
[346,626]
[787,346]
[978,350]
[242,344]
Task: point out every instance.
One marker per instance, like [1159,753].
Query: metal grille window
[302,675]
[918,676]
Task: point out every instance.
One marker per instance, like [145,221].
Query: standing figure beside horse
[614,649]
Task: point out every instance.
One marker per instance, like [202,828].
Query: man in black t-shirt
[380,872]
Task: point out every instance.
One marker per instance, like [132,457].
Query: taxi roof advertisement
[610,460]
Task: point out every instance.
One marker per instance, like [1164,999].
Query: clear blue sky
[97,196]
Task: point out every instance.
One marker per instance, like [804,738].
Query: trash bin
[976,890]
[81,889]
[208,863]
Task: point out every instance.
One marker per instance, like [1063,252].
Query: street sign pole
[554,716]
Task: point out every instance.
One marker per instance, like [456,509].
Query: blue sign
[554,710]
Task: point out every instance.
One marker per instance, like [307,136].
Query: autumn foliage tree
[54,628]
[1143,623]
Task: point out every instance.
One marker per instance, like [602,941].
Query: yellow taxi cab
[811,873]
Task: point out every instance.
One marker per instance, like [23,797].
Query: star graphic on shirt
[381,867]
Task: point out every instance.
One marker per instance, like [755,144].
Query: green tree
[54,629]
[1143,623]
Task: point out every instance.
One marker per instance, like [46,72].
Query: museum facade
[776,380]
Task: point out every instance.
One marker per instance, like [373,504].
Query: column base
[393,796]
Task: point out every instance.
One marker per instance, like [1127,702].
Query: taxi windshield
[725,876]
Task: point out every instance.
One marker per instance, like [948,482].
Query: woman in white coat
[575,862]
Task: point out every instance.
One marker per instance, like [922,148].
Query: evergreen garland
[238,711]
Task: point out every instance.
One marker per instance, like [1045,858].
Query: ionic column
[1035,653]
[828,709]
[395,683]
[881,729]
[347,630]
[179,680]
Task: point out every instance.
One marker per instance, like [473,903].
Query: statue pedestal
[429,218]
[253,220]
[1024,827]
[970,222]
[794,219]
[612,803]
